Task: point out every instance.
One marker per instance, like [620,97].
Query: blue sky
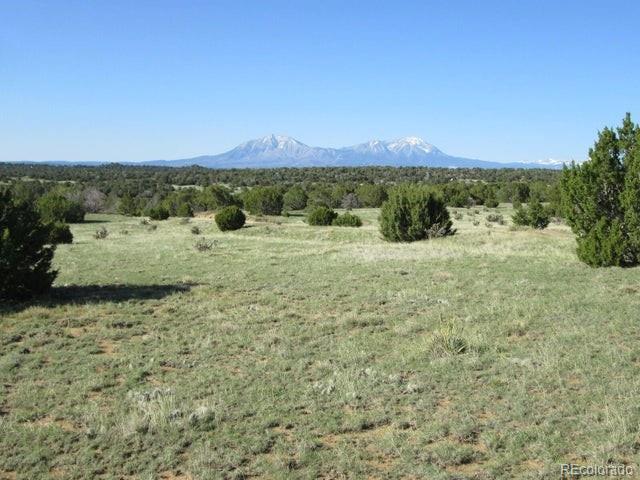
[139,80]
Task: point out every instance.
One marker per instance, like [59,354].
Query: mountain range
[275,151]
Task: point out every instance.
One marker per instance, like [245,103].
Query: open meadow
[282,350]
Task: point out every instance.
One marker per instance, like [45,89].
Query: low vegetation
[263,201]
[347,220]
[532,215]
[60,233]
[321,216]
[286,351]
[291,351]
[158,212]
[413,213]
[101,233]
[230,218]
[54,207]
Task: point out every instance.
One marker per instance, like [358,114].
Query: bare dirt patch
[107,347]
[48,421]
[169,475]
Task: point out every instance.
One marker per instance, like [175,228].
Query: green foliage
[371,195]
[533,215]
[184,210]
[347,220]
[491,201]
[520,216]
[601,198]
[128,206]
[215,197]
[54,207]
[321,216]
[25,251]
[606,245]
[414,213]
[320,196]
[295,198]
[60,233]
[402,296]
[495,218]
[230,218]
[448,341]
[539,216]
[338,192]
[263,201]
[157,213]
[182,202]
[137,179]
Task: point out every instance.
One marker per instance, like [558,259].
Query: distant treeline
[134,190]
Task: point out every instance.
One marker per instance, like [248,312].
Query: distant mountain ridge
[277,151]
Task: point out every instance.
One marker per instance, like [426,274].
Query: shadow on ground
[86,294]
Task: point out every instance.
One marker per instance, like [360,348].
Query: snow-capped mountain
[275,151]
[406,151]
[411,146]
[273,144]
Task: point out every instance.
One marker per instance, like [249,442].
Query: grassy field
[289,351]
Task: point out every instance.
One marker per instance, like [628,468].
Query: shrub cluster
[25,250]
[60,233]
[184,210]
[263,201]
[127,205]
[533,215]
[321,216]
[158,212]
[371,195]
[495,218]
[215,197]
[347,220]
[491,201]
[412,213]
[54,207]
[230,218]
[295,198]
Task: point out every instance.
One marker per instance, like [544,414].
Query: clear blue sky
[139,80]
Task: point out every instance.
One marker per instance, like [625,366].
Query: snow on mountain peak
[409,145]
[412,141]
[274,151]
[277,141]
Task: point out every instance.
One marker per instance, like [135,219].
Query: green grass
[290,351]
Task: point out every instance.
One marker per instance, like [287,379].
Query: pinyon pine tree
[601,199]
